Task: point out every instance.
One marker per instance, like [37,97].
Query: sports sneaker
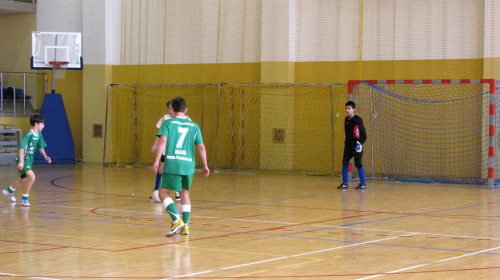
[177,196]
[185,230]
[343,186]
[154,197]
[9,195]
[25,202]
[175,227]
[361,186]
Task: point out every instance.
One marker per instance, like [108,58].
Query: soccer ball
[154,197]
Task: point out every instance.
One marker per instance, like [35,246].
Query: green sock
[186,212]
[185,217]
[172,212]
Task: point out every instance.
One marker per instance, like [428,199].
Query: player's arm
[155,145]
[42,151]
[362,132]
[162,141]
[20,164]
[203,156]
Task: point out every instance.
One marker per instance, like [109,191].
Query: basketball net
[59,69]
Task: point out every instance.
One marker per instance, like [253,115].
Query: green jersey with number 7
[182,136]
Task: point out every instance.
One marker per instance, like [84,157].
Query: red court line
[181,241]
[48,249]
[93,211]
[260,277]
[251,216]
[244,232]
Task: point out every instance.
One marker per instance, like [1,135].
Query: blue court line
[265,235]
[258,203]
[291,235]
[398,217]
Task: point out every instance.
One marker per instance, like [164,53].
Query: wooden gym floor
[91,222]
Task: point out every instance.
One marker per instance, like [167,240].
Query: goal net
[429,130]
[290,128]
[134,110]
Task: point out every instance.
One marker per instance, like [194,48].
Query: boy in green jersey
[32,141]
[178,138]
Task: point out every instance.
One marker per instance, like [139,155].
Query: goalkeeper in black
[355,136]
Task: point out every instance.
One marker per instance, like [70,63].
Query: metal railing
[25,1]
[20,79]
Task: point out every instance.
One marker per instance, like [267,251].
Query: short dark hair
[36,118]
[179,104]
[351,103]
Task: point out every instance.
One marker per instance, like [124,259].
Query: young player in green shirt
[178,138]
[32,141]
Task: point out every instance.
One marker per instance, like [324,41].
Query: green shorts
[22,173]
[176,182]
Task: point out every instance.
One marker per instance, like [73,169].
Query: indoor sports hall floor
[91,222]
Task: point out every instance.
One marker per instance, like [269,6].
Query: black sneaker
[361,186]
[343,186]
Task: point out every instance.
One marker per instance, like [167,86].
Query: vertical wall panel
[237,31]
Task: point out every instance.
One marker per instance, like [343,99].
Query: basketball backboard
[56,46]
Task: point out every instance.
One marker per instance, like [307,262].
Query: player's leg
[9,191]
[154,197]
[171,182]
[186,202]
[348,154]
[177,196]
[30,176]
[361,170]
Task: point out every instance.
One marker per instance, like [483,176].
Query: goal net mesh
[435,132]
[291,128]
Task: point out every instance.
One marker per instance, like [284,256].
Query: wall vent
[278,135]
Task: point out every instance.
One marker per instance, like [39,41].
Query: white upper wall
[59,16]
[98,20]
[239,31]
[101,32]
[492,28]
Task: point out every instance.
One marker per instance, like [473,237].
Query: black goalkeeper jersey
[354,130]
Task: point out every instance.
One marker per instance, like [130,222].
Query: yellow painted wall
[22,123]
[186,74]
[15,34]
[96,79]
[303,72]
[277,156]
[491,68]
[341,72]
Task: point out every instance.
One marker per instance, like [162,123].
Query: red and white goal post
[429,130]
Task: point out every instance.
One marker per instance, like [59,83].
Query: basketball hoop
[59,69]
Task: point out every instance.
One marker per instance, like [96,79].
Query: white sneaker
[154,197]
[9,195]
[25,202]
[177,196]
